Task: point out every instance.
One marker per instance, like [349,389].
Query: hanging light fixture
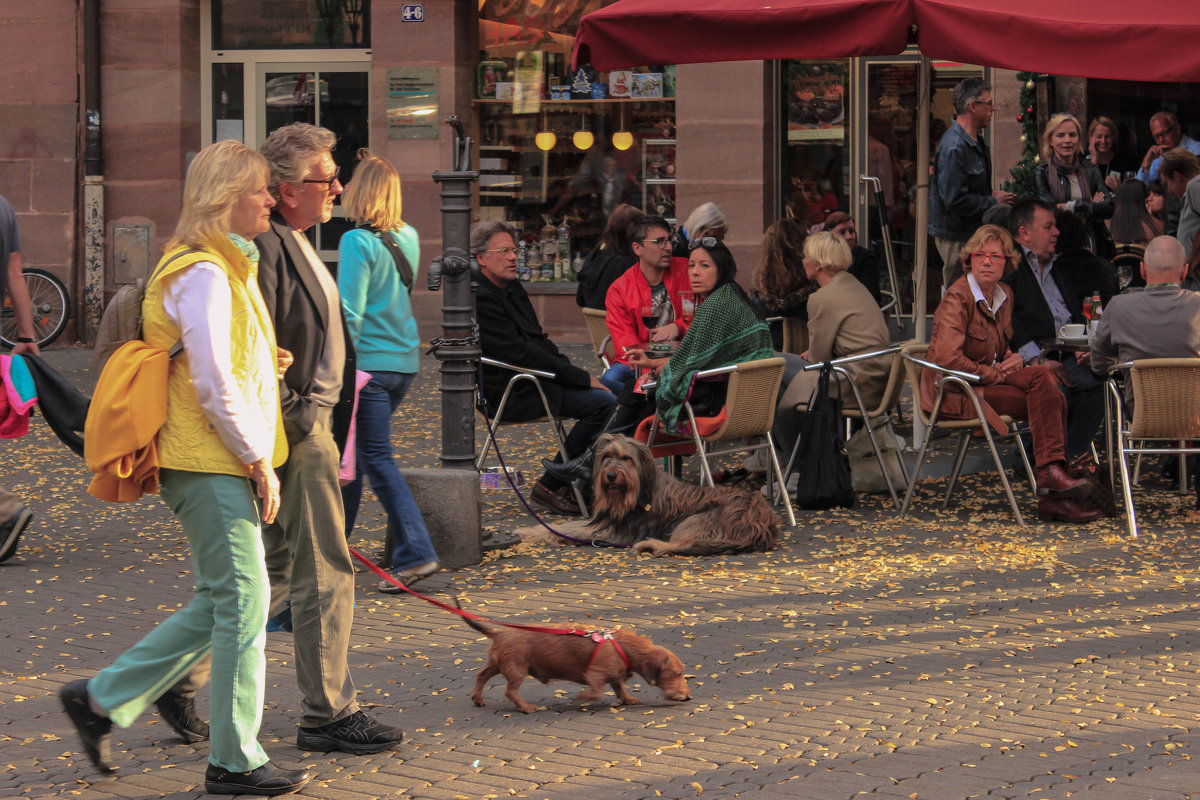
[583,138]
[545,138]
[622,139]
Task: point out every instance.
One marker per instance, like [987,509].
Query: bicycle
[51,309]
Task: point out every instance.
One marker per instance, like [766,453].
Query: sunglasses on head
[706,242]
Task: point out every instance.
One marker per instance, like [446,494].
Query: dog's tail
[486,631]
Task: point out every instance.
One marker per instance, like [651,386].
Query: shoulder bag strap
[402,265]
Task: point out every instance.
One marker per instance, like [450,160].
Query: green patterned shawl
[724,331]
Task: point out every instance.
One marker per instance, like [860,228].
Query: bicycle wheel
[51,309]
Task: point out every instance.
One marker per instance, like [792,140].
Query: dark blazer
[509,331]
[1031,317]
[301,317]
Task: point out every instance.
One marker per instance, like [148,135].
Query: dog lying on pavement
[592,659]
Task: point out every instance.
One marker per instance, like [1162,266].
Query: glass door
[333,96]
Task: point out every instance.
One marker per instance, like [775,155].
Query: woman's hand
[1099,197]
[263,474]
[638,358]
[666,333]
[1112,181]
[1011,363]
[283,360]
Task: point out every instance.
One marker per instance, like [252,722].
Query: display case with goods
[658,178]
[816,153]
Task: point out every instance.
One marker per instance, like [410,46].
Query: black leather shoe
[266,781]
[179,711]
[560,500]
[95,731]
[1064,509]
[577,469]
[356,733]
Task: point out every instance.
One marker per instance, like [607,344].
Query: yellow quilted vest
[188,441]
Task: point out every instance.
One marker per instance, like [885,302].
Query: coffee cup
[1072,331]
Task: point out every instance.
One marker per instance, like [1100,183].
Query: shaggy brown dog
[516,653]
[636,504]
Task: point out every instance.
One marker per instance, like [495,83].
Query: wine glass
[649,319]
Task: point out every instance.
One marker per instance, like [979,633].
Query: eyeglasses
[659,242]
[706,242]
[984,102]
[329,182]
[504,251]
[988,258]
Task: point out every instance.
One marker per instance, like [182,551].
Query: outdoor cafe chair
[875,420]
[534,376]
[597,327]
[914,363]
[1165,418]
[748,414]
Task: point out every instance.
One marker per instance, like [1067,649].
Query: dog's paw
[655,547]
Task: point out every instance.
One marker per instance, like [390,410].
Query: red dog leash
[599,637]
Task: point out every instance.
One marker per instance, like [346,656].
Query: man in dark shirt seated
[509,331]
[1044,301]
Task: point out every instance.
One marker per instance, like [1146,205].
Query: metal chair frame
[739,424]
[497,421]
[874,420]
[889,254]
[965,381]
[1145,426]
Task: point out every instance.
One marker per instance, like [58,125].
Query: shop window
[557,146]
[816,137]
[284,24]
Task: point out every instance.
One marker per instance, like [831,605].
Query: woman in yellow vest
[218,450]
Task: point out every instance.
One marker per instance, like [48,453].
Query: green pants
[227,615]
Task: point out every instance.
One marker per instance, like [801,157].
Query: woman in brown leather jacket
[971,332]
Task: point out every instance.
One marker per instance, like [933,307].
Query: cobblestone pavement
[943,656]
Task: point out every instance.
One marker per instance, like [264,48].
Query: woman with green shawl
[725,331]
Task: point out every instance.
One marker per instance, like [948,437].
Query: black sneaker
[179,711]
[356,733]
[266,781]
[95,731]
[10,532]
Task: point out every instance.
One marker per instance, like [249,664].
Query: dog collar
[600,637]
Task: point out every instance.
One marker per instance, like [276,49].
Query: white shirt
[198,300]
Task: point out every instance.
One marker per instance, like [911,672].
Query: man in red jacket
[655,282]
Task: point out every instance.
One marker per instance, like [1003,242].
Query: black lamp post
[354,12]
[329,11]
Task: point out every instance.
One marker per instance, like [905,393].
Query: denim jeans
[377,401]
[616,376]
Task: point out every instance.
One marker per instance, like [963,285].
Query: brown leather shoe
[1064,509]
[560,500]
[1055,481]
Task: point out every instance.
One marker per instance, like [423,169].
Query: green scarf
[724,331]
[247,247]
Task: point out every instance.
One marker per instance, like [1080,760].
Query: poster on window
[816,107]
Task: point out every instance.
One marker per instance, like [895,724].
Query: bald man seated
[1162,321]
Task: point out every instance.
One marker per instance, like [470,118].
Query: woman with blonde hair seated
[971,332]
[843,320]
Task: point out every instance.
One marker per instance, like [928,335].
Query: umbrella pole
[920,269]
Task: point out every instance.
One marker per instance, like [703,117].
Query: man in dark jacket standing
[509,331]
[960,190]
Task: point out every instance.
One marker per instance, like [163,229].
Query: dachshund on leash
[592,659]
[638,505]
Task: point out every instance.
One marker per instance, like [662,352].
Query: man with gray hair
[1167,134]
[960,189]
[1162,321]
[312,578]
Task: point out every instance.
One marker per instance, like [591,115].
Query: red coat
[630,293]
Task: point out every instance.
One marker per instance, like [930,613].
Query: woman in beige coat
[843,320]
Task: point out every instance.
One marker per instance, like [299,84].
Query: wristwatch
[25,340]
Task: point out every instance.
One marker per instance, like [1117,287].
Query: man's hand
[1060,373]
[1004,197]
[596,384]
[1154,152]
[29,348]
[263,474]
[1084,358]
[283,360]
[667,333]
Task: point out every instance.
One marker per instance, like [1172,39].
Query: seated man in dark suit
[1044,301]
[509,331]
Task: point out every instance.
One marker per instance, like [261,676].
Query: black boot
[577,469]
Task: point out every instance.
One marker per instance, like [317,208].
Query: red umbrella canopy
[634,32]
[1115,39]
